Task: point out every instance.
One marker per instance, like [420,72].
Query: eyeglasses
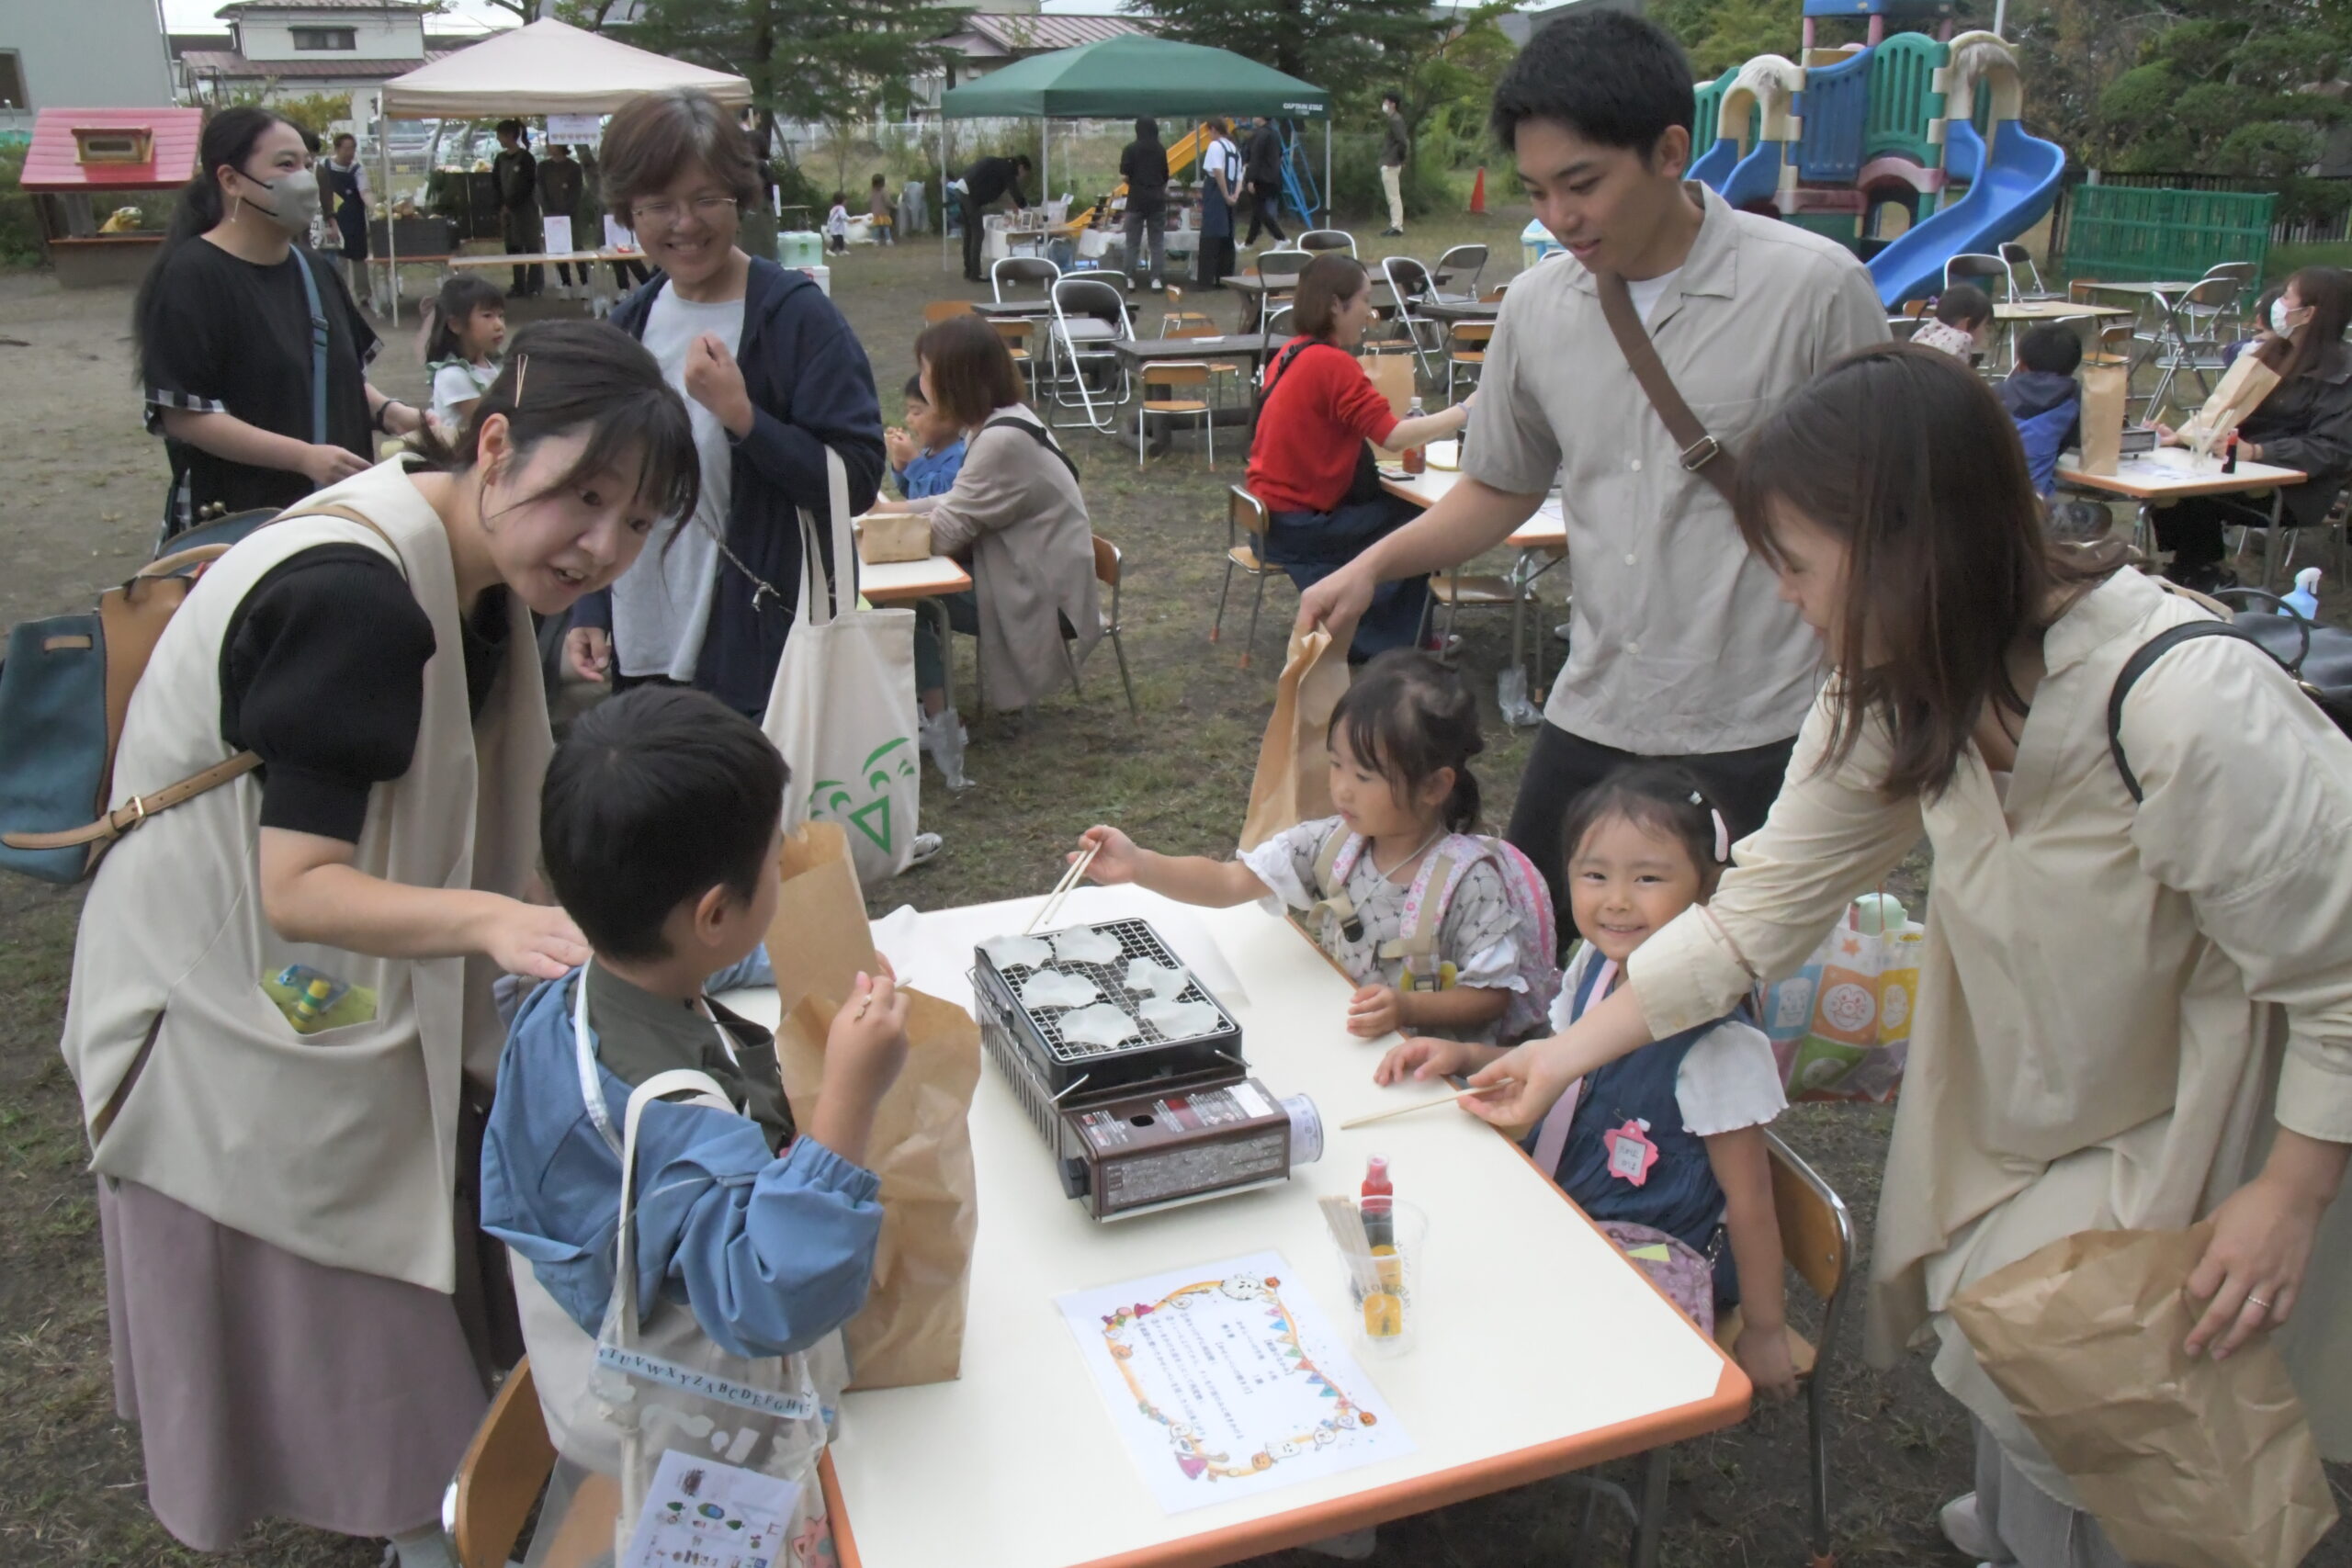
[662,211]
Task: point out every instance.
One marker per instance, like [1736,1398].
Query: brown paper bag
[911,1327]
[2244,386]
[2185,1463]
[2106,383]
[887,537]
[1393,374]
[1294,780]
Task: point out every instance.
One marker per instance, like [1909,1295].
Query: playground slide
[1715,164]
[2016,181]
[1756,177]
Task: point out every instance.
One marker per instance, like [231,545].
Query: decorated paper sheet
[1226,1380]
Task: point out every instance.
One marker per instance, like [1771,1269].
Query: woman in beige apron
[281,989]
[2132,1013]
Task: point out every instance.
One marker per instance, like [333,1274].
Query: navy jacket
[811,388]
[2047,408]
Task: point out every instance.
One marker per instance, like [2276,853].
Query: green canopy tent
[1132,74]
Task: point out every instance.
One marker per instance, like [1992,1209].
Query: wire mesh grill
[1136,939]
[1067,1066]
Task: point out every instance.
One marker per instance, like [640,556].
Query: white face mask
[2281,318]
[297,193]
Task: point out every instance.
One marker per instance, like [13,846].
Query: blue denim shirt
[931,473]
[770,1252]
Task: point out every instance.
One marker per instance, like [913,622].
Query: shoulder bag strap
[822,597]
[2144,655]
[104,832]
[1037,432]
[318,350]
[1701,454]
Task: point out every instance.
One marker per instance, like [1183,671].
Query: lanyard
[1551,1137]
[592,1083]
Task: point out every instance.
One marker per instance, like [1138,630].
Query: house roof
[229,65]
[53,160]
[998,36]
[243,6]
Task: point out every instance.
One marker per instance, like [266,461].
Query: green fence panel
[2120,233]
[1904,101]
[1709,104]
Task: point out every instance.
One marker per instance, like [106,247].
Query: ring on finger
[2253,1301]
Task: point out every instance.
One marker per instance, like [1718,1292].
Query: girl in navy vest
[1663,1148]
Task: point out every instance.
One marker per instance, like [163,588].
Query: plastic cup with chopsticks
[1383,1273]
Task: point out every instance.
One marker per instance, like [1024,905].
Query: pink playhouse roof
[53,163]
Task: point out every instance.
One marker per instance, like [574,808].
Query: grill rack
[1063,1068]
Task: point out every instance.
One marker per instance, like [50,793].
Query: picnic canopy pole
[391,228]
[1330,208]
[945,195]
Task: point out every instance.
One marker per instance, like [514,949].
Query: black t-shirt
[229,337]
[1265,157]
[993,177]
[1144,166]
[517,174]
[559,181]
[322,673]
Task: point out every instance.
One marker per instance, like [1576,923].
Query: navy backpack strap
[318,349]
[2144,655]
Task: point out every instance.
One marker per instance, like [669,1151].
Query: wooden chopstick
[1062,888]
[1424,1105]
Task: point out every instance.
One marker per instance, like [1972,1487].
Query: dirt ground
[81,486]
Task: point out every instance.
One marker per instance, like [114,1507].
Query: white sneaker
[1353,1546]
[1965,1531]
[927,848]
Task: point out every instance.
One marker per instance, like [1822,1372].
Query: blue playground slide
[2017,182]
[1715,164]
[1756,178]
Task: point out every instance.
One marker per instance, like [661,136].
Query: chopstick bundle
[1422,1105]
[1346,1225]
[1061,890]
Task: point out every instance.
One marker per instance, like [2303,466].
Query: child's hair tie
[1723,829]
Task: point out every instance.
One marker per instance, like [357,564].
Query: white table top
[895,583]
[1548,530]
[1020,1454]
[2174,472]
[544,257]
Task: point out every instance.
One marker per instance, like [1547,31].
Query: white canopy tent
[547,67]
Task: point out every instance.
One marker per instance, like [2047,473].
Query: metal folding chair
[1989,272]
[1316,240]
[1169,374]
[1089,316]
[2019,259]
[1463,264]
[2188,333]
[1408,284]
[1034,271]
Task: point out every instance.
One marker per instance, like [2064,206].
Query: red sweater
[1314,421]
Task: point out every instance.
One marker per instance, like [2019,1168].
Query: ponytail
[444,315]
[229,137]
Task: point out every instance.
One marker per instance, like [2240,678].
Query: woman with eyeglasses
[772,376]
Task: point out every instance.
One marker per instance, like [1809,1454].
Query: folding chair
[1991,271]
[1465,353]
[1284,265]
[939,310]
[1463,262]
[498,1483]
[1454,589]
[1279,321]
[1408,283]
[1023,270]
[1316,240]
[1817,1239]
[1089,316]
[2190,332]
[1495,296]
[1169,374]
[1106,572]
[2020,259]
[1016,332]
[1244,514]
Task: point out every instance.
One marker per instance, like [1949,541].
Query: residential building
[79,55]
[292,48]
[992,39]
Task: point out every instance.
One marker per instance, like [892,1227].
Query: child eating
[2044,398]
[465,326]
[1444,932]
[1663,1148]
[753,1239]
[927,455]
[1963,323]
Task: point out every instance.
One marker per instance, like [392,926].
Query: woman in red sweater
[1310,462]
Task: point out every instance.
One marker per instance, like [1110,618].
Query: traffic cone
[1478,194]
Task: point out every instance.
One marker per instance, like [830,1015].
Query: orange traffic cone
[1478,193]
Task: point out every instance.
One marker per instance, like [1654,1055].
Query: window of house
[12,81]
[325,38]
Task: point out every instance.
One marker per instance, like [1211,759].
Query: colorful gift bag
[1841,1025]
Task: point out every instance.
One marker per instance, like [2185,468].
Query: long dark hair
[592,380]
[1907,456]
[1327,282]
[446,314]
[2326,292]
[229,137]
[1405,715]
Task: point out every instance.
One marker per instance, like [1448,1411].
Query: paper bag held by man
[1294,779]
[911,1329]
[2185,1462]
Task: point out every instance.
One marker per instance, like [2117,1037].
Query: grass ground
[82,486]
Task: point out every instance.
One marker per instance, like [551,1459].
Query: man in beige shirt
[1680,647]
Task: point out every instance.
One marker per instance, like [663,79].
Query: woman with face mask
[224,325]
[281,1022]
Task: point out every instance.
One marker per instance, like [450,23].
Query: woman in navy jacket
[772,374]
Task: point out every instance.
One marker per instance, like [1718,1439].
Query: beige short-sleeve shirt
[1680,644]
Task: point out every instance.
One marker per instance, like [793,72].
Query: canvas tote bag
[842,709]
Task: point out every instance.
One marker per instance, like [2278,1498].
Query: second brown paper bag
[1294,779]
[2185,1463]
[2106,383]
[911,1327]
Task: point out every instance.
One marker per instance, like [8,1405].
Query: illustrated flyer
[1226,1380]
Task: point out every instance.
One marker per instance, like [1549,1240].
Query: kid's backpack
[65,685]
[1426,903]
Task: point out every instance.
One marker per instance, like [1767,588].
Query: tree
[1720,34]
[807,60]
[1352,47]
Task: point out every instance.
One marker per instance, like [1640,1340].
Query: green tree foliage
[1720,34]
[807,60]
[1355,49]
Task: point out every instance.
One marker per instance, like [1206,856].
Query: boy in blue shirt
[2044,396]
[928,454]
[659,832]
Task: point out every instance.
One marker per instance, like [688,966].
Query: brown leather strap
[138,808]
[1701,454]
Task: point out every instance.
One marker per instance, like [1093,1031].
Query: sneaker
[1965,1531]
[1392,233]
[927,848]
[1158,286]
